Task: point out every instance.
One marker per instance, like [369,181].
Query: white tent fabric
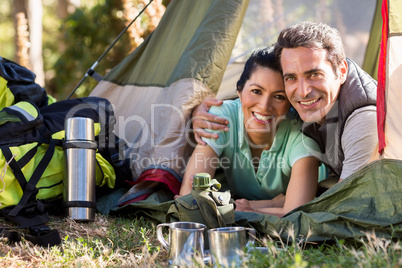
[393,97]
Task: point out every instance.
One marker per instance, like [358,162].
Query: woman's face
[264,101]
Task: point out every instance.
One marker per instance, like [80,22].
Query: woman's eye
[280,97]
[256,91]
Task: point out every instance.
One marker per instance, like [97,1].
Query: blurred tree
[35,14]
[20,9]
[75,34]
[7,30]
[89,31]
[143,27]
[28,36]
[62,13]
[64,9]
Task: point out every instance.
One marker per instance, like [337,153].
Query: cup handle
[160,235]
[251,235]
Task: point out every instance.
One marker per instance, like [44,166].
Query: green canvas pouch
[207,206]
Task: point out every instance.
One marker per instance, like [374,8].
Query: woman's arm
[276,202]
[302,188]
[203,159]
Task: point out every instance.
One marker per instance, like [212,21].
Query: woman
[263,154]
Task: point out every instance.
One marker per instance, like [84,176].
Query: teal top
[275,165]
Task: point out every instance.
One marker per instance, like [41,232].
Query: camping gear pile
[154,90]
[32,154]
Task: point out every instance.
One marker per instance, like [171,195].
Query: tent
[155,88]
[389,80]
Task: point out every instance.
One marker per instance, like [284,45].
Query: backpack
[17,84]
[32,156]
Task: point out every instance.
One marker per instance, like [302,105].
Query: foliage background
[72,45]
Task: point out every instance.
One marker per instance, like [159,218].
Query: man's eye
[315,74]
[288,79]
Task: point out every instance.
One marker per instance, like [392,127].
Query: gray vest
[359,90]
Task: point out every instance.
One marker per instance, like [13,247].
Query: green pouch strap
[211,211]
[184,208]
[204,205]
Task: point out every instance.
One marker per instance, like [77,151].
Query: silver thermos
[79,178]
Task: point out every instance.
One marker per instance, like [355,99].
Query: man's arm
[202,120]
[359,140]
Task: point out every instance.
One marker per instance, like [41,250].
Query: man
[333,96]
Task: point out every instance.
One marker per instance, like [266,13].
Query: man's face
[311,85]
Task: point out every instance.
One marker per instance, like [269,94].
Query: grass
[107,242]
[371,252]
[125,242]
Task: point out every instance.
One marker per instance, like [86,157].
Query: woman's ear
[239,94]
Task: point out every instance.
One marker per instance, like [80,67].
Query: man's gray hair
[312,35]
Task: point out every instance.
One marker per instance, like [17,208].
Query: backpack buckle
[39,230]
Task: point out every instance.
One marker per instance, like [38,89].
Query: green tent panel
[155,88]
[194,39]
[368,201]
[370,63]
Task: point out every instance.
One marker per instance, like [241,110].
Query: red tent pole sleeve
[381,109]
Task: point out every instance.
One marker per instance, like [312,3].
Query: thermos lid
[201,180]
[79,129]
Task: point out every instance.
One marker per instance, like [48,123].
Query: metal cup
[79,178]
[186,243]
[227,245]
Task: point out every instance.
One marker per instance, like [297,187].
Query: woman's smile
[264,104]
[263,119]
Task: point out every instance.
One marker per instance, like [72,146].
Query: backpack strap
[29,188]
[33,215]
[16,169]
[28,155]
[40,235]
